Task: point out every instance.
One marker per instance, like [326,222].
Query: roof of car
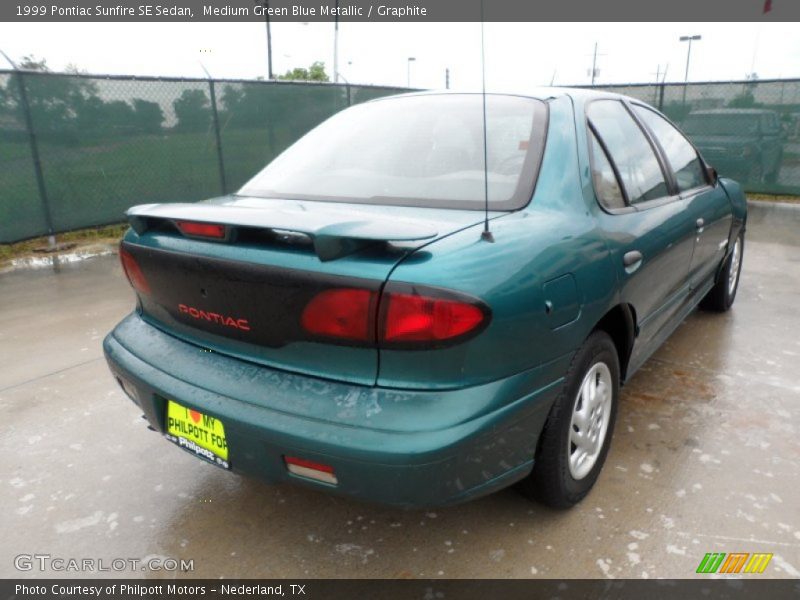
[540,93]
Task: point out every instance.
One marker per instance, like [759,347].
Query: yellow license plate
[200,434]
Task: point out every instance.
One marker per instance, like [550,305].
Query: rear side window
[681,155]
[629,150]
[605,181]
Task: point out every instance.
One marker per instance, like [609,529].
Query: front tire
[576,437]
[722,295]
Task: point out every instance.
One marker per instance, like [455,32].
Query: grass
[110,234]
[775,198]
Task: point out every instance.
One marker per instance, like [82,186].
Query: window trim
[592,132]
[655,144]
[666,173]
[691,191]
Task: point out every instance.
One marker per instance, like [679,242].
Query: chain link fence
[77,150]
[747,130]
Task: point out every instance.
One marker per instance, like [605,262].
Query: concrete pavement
[705,457]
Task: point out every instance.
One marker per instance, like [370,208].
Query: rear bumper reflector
[310,470]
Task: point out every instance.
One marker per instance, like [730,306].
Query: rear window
[417,151]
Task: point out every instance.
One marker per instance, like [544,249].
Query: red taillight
[412,318]
[133,272]
[209,230]
[340,313]
[347,314]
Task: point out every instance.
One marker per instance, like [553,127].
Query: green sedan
[428,297]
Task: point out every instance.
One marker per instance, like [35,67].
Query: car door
[647,227]
[706,201]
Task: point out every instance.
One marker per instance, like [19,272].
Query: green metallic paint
[396,447]
[427,427]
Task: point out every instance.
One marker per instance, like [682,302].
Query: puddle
[56,260]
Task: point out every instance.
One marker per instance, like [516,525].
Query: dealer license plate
[197,433]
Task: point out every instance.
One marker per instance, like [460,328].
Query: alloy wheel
[591,414]
[736,259]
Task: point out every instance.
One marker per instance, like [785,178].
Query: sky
[518,55]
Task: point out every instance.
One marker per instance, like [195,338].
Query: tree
[55,101]
[30,63]
[744,100]
[147,116]
[192,110]
[316,72]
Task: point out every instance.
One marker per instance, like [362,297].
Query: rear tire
[576,437]
[722,295]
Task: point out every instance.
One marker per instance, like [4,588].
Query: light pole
[690,39]
[408,70]
[336,45]
[265,4]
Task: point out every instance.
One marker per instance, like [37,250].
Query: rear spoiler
[333,235]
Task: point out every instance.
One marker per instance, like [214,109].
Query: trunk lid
[244,294]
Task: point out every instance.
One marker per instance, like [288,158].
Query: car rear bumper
[405,448]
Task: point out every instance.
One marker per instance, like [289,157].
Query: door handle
[632,258]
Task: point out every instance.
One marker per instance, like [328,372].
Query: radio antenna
[486,234]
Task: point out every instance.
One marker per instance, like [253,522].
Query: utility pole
[658,76]
[657,73]
[408,70]
[447,79]
[594,71]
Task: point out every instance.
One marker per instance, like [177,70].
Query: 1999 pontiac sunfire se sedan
[342,322]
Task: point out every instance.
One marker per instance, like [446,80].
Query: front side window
[422,150]
[629,150]
[681,155]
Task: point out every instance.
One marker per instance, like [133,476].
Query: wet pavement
[705,458]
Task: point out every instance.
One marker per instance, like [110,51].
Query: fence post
[215,118]
[37,163]
[349,100]
[661,96]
